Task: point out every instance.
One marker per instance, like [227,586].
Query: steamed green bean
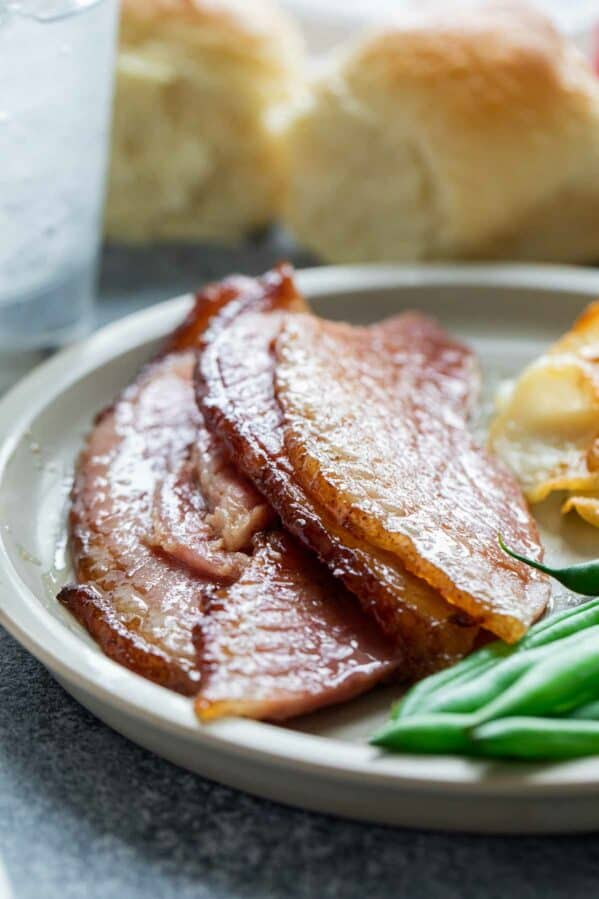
[560,682]
[536,739]
[538,699]
[582,578]
[549,630]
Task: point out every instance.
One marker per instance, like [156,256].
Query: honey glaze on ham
[284,639]
[172,547]
[138,604]
[235,383]
[371,430]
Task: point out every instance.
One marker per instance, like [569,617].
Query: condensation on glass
[56,64]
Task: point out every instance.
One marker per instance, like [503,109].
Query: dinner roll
[194,154]
[462,130]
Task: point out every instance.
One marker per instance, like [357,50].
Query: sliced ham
[139,605]
[235,383]
[184,575]
[181,527]
[371,430]
[285,639]
[236,509]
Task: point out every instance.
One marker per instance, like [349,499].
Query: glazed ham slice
[139,604]
[181,527]
[237,510]
[285,638]
[204,514]
[183,574]
[235,383]
[371,430]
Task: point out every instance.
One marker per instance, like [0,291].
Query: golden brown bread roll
[193,151]
[459,131]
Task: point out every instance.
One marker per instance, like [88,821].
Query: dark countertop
[85,813]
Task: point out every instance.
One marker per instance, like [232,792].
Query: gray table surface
[85,813]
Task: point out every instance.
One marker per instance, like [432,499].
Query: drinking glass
[56,72]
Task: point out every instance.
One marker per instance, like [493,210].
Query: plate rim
[63,651]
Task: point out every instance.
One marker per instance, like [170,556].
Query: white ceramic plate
[323,762]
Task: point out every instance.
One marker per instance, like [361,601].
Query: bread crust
[492,118]
[256,29]
[194,155]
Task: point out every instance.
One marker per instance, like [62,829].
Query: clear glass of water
[56,66]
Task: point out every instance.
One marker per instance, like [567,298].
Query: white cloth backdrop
[326,22]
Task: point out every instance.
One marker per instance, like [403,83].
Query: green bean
[563,624]
[433,734]
[582,578]
[550,629]
[537,738]
[480,661]
[477,692]
[565,678]
[495,707]
[587,712]
[532,738]
[497,678]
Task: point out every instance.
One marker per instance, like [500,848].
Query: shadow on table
[135,276]
[84,812]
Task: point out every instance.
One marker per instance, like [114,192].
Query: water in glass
[56,61]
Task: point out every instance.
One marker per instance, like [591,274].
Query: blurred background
[136,273]
[325,24]
[202,166]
